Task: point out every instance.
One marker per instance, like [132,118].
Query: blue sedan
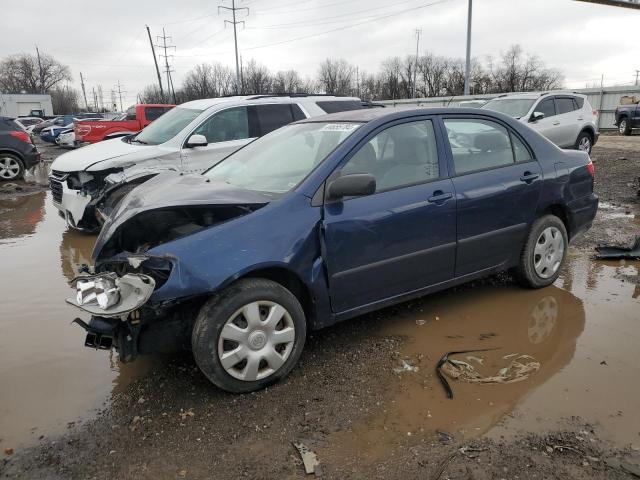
[323,220]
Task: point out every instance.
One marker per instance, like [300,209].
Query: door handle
[440,197]
[529,177]
[580,118]
[556,123]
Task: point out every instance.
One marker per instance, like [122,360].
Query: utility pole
[95,99]
[637,73]
[120,92]
[358,81]
[84,92]
[164,46]
[40,76]
[415,65]
[155,60]
[100,98]
[235,35]
[467,71]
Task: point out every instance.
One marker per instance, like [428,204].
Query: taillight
[22,136]
[591,169]
[596,113]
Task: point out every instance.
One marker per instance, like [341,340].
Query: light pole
[467,71]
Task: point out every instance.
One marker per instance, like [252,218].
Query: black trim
[475,238]
[392,260]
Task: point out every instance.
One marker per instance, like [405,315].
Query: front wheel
[543,254]
[249,336]
[624,127]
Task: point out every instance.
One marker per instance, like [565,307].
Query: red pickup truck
[135,119]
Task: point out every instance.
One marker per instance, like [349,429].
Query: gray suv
[567,119]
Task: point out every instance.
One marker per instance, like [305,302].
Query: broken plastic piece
[518,369]
[309,459]
[406,367]
[615,252]
[445,360]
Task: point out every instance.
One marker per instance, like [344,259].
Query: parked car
[136,118]
[26,122]
[191,138]
[17,151]
[50,134]
[567,119]
[627,117]
[62,120]
[323,220]
[66,138]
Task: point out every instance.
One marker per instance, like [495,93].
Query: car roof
[207,103]
[536,95]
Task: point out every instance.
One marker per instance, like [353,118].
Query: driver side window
[227,125]
[401,155]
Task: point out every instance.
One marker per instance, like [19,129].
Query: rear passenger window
[298,114]
[272,117]
[579,102]
[564,105]
[334,106]
[478,145]
[401,155]
[520,151]
[547,107]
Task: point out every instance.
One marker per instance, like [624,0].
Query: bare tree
[151,94]
[287,82]
[23,73]
[335,77]
[256,78]
[64,100]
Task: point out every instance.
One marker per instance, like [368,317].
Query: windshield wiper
[134,139]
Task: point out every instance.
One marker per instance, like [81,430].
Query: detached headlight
[100,291]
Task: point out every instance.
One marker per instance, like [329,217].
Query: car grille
[56,178]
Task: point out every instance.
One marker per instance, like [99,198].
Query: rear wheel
[543,254]
[584,142]
[11,167]
[249,336]
[624,127]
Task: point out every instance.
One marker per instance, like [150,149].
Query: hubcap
[256,341]
[623,126]
[585,144]
[548,253]
[9,168]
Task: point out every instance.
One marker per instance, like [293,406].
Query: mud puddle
[47,378]
[583,331]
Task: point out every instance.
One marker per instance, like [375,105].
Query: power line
[235,23]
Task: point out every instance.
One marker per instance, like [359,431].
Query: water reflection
[19,216]
[75,251]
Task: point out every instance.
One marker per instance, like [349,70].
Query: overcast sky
[107,41]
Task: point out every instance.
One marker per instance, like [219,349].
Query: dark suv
[17,151]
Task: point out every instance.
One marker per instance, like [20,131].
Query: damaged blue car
[323,220]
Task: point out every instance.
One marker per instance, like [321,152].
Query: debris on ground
[614,252]
[8,451]
[405,367]
[518,369]
[445,360]
[309,459]
[623,465]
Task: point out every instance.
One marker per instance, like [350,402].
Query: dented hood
[172,189]
[118,151]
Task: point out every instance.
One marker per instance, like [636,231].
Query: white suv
[190,138]
[567,119]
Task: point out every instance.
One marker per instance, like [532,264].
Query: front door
[497,183]
[549,125]
[401,238]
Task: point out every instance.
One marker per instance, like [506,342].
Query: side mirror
[353,185]
[535,116]
[197,140]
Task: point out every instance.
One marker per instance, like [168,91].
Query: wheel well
[291,282]
[15,154]
[590,131]
[560,212]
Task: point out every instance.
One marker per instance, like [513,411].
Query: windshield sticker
[339,127]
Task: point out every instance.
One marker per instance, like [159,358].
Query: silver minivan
[567,119]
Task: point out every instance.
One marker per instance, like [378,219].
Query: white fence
[604,100]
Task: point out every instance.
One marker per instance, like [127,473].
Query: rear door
[401,238]
[497,183]
[569,127]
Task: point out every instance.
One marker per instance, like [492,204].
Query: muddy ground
[350,401]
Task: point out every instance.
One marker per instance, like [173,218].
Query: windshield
[167,126]
[277,162]
[514,107]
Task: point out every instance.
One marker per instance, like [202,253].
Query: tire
[584,142]
[256,348]
[624,127]
[11,167]
[540,265]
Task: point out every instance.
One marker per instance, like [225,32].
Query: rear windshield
[334,106]
[167,126]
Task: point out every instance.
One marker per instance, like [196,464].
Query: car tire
[543,254]
[624,127]
[584,142]
[11,167]
[241,353]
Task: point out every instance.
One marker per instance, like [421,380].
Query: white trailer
[22,104]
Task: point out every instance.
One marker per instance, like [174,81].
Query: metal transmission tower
[467,70]
[168,71]
[415,66]
[84,92]
[235,22]
[120,92]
